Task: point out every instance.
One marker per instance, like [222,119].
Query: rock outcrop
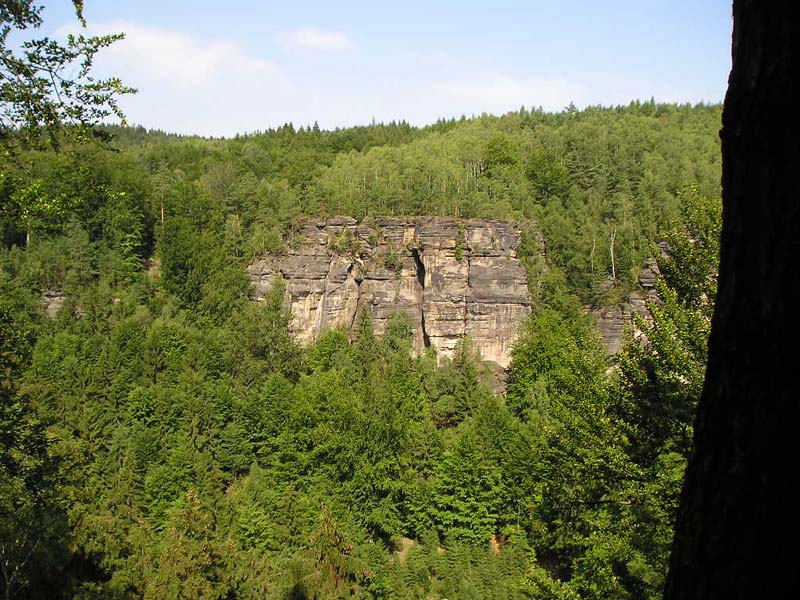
[53,301]
[613,321]
[453,278]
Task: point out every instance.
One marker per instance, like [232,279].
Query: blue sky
[216,68]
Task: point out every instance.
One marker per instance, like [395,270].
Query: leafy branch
[47,92]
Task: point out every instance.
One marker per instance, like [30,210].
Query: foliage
[46,87]
[499,152]
[662,379]
[549,178]
[459,248]
[167,437]
[345,242]
[392,261]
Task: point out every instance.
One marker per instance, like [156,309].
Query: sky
[221,68]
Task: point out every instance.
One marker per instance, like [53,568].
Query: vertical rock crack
[466,296]
[351,273]
[420,268]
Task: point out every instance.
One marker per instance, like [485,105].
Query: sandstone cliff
[453,278]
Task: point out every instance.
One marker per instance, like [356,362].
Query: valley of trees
[162,436]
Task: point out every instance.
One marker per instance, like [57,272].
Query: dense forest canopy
[165,437]
[582,176]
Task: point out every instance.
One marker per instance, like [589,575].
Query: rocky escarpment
[453,278]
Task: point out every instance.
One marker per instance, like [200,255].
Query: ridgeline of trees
[164,437]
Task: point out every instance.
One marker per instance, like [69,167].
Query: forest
[162,436]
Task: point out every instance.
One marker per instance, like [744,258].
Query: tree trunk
[738,520]
[613,265]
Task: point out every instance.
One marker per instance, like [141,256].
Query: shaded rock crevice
[357,281]
[420,268]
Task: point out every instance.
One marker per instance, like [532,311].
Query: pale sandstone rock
[453,278]
[612,322]
[53,301]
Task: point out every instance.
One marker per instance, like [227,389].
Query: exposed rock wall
[613,321]
[53,301]
[453,278]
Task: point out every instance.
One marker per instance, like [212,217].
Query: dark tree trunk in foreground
[736,535]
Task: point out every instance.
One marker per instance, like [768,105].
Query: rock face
[613,321]
[53,301]
[453,278]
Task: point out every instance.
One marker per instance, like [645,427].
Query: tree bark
[738,520]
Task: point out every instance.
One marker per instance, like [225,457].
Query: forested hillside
[163,436]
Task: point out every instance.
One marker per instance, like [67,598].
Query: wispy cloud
[174,57]
[312,38]
[187,83]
